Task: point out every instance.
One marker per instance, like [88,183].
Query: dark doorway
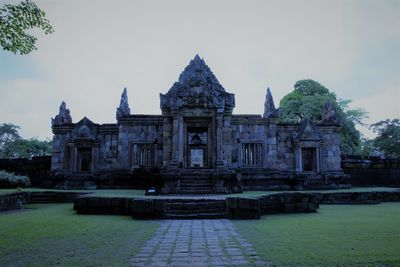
[197,147]
[84,159]
[309,159]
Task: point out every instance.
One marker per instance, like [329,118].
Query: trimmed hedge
[10,180]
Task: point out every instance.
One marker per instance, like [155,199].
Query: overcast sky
[100,47]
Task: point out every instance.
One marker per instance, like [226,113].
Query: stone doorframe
[73,148]
[199,123]
[299,145]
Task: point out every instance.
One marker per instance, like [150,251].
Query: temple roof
[197,86]
[197,73]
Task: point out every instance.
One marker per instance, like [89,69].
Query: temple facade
[197,145]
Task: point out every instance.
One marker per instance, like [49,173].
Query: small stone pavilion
[197,145]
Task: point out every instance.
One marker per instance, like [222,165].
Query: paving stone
[197,243]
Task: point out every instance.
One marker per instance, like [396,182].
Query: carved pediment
[197,87]
[307,131]
[85,129]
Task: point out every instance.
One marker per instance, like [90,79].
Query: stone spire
[63,117]
[197,86]
[269,106]
[197,73]
[123,110]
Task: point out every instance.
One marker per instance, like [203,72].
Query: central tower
[197,122]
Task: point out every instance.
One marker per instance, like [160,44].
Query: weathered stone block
[232,202]
[142,205]
[248,203]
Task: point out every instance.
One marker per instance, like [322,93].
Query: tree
[388,139]
[15,20]
[13,146]
[308,99]
[26,148]
[8,133]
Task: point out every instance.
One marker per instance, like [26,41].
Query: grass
[140,193]
[52,234]
[338,235]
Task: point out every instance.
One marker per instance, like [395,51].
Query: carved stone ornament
[329,115]
[123,110]
[197,87]
[63,117]
[307,131]
[269,106]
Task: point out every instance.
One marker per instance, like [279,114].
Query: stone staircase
[43,197]
[195,182]
[195,209]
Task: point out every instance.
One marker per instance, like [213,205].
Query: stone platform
[198,207]
[218,207]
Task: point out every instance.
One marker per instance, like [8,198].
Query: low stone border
[373,197]
[17,200]
[13,201]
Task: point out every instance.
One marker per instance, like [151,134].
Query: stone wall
[372,171]
[37,168]
[13,201]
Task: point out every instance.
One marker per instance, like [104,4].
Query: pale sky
[100,47]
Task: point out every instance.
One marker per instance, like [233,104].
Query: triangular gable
[307,131]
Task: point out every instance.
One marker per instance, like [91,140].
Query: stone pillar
[167,141]
[227,140]
[95,153]
[180,139]
[175,139]
[297,155]
[134,160]
[220,161]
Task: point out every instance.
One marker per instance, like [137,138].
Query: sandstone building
[197,145]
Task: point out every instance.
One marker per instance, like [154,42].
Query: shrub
[10,180]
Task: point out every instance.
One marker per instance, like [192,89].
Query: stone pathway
[196,243]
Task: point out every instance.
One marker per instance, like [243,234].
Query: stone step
[202,211]
[42,200]
[195,182]
[195,179]
[194,188]
[219,215]
[195,206]
[195,192]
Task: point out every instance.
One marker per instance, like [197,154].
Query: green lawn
[52,234]
[362,235]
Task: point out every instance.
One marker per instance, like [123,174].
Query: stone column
[180,139]
[298,162]
[175,139]
[220,161]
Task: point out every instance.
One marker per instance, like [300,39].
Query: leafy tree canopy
[388,139]
[8,132]
[308,99]
[15,20]
[13,146]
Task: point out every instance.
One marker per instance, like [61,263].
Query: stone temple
[197,145]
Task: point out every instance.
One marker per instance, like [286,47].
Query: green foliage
[26,148]
[388,139]
[10,180]
[8,132]
[308,99]
[13,146]
[15,20]
[366,147]
[338,235]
